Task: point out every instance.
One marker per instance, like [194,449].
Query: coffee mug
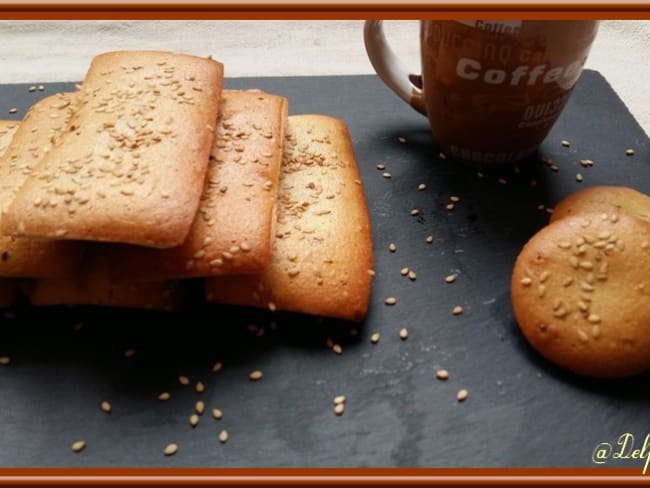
[491,89]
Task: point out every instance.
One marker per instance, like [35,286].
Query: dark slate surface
[521,410]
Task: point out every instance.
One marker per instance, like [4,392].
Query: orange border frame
[258,10]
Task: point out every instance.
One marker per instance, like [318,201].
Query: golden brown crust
[231,232]
[38,132]
[134,155]
[94,286]
[322,252]
[618,199]
[581,294]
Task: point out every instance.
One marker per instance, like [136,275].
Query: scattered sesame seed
[412,276]
[31,89]
[457,310]
[566,143]
[78,446]
[217,414]
[629,152]
[194,420]
[256,375]
[401,139]
[339,399]
[5,360]
[387,175]
[429,239]
[415,212]
[164,396]
[106,407]
[442,156]
[339,408]
[223,436]
[41,88]
[450,206]
[392,247]
[579,177]
[390,301]
[554,167]
[381,167]
[170,449]
[586,163]
[442,374]
[422,187]
[337,349]
[462,395]
[184,380]
[216,367]
[450,279]
[404,271]
[375,338]
[200,387]
[199,407]
[502,181]
[13,110]
[454,198]
[404,334]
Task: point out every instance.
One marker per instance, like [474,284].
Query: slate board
[521,410]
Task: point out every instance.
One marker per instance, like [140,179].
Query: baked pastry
[581,293]
[231,232]
[131,164]
[7,287]
[94,286]
[36,134]
[617,199]
[322,252]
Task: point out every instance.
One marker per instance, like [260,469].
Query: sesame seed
[629,152]
[183,380]
[450,206]
[164,396]
[462,395]
[450,278]
[170,449]
[272,307]
[415,212]
[223,436]
[525,281]
[255,375]
[595,332]
[194,420]
[422,187]
[502,181]
[387,175]
[402,140]
[583,336]
[217,414]
[390,301]
[541,290]
[13,110]
[404,271]
[41,88]
[454,198]
[200,387]
[593,318]
[392,247]
[339,399]
[381,167]
[5,360]
[403,334]
[78,446]
[586,163]
[31,89]
[375,338]
[457,310]
[216,367]
[429,239]
[412,276]
[566,143]
[579,177]
[106,407]
[442,374]
[337,349]
[199,407]
[339,408]
[544,276]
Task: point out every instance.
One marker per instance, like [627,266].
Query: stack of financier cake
[150,173]
[581,286]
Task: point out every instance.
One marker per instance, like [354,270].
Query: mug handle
[389,67]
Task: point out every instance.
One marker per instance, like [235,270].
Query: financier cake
[581,294]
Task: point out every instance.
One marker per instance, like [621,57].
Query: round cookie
[580,292]
[618,199]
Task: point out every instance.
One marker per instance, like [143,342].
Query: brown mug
[492,89]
